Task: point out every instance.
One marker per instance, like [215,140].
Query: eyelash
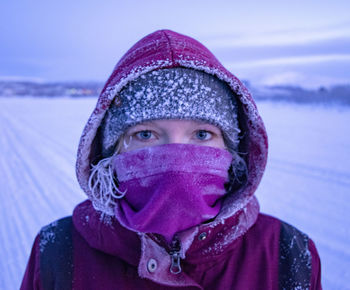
[204,131]
[138,135]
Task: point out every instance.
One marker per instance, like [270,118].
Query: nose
[176,138]
[176,134]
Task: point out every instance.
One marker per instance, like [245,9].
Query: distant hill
[57,89]
[333,95]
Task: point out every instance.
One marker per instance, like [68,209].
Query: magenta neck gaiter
[170,188]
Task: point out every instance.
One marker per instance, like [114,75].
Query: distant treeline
[333,95]
[57,89]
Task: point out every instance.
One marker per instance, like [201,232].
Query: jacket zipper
[175,267]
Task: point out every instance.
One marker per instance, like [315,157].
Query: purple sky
[267,42]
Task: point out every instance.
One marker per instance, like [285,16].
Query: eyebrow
[145,123]
[148,123]
[201,123]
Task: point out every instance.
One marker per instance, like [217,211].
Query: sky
[271,42]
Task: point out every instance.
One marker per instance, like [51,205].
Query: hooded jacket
[240,249]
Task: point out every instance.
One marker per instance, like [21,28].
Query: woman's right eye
[203,135]
[144,135]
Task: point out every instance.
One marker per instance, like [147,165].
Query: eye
[144,135]
[203,135]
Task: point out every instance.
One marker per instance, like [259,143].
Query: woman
[170,160]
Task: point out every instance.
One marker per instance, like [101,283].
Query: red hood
[167,49]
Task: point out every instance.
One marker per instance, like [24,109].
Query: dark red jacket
[94,255]
[240,249]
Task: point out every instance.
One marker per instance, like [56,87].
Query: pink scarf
[170,188]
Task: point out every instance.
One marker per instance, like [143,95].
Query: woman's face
[160,132]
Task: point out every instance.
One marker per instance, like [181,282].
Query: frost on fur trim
[103,186]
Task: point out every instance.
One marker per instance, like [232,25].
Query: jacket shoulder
[295,258]
[56,262]
[279,227]
[295,254]
[53,231]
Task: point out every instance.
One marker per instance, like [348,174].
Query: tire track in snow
[46,172]
[56,145]
[334,189]
[12,232]
[321,174]
[26,184]
[22,191]
[330,191]
[26,165]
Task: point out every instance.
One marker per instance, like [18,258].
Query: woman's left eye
[144,135]
[203,135]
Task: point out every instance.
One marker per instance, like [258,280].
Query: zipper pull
[175,267]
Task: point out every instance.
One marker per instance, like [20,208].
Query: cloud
[21,79]
[280,38]
[291,60]
[304,80]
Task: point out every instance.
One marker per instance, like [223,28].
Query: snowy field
[307,182]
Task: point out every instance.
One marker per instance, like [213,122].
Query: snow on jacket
[240,249]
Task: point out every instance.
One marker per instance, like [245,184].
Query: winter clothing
[163,50]
[238,249]
[175,180]
[111,257]
[175,93]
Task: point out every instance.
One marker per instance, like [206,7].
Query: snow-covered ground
[307,182]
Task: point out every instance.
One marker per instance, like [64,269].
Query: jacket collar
[198,244]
